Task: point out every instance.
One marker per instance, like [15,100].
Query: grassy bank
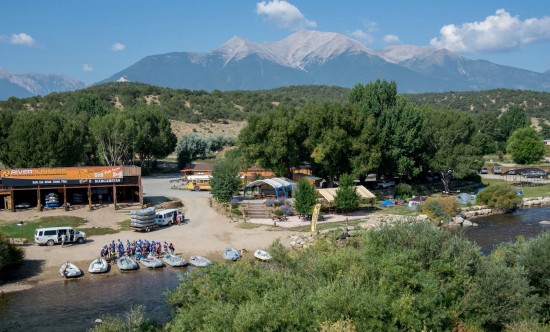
[26,230]
[529,190]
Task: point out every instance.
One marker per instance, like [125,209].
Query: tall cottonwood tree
[450,151]
[113,134]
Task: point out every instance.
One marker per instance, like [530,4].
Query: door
[71,236]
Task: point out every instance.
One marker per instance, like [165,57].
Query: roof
[307,176]
[274,182]
[197,167]
[330,193]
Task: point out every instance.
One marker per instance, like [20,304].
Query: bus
[198,182]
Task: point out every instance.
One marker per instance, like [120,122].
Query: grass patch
[99,231]
[531,190]
[10,229]
[322,225]
[124,225]
[400,210]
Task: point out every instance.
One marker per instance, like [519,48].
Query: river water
[73,305]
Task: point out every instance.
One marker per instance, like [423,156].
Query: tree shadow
[29,268]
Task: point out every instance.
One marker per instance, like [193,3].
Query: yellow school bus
[198,182]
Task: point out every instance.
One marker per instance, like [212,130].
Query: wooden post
[89,197]
[12,201]
[114,196]
[65,198]
[38,206]
[140,193]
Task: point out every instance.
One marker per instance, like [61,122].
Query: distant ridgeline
[194,106]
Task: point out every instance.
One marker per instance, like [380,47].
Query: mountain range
[304,58]
[27,85]
[313,57]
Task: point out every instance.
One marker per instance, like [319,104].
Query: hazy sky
[91,40]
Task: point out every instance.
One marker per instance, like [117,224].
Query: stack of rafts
[78,198]
[52,200]
[143,218]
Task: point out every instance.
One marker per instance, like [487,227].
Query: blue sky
[91,40]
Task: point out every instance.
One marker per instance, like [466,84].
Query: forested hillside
[194,106]
[535,104]
[181,104]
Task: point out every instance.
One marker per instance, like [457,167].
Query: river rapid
[73,305]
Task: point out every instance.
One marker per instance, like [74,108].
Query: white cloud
[391,39]
[20,39]
[365,35]
[87,67]
[284,15]
[497,33]
[117,47]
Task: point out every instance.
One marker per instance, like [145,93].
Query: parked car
[484,170]
[511,172]
[51,235]
[535,174]
[497,170]
[384,184]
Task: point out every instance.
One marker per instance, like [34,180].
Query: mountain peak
[401,53]
[306,46]
[237,48]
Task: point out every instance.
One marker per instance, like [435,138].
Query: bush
[441,208]
[500,196]
[10,255]
[403,191]
[236,212]
[134,320]
[286,209]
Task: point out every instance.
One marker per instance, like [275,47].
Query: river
[73,305]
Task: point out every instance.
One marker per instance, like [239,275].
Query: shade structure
[330,193]
[277,187]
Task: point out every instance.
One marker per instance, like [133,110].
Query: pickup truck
[384,184]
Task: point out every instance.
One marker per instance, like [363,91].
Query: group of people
[136,249]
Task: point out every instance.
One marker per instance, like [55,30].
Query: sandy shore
[204,232]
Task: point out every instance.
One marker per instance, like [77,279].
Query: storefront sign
[61,176]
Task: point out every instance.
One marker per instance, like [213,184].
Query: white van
[52,235]
[168,217]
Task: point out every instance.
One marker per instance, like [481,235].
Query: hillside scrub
[409,276]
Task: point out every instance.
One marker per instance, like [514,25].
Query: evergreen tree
[346,198]
[305,197]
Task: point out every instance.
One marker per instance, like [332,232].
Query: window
[50,233]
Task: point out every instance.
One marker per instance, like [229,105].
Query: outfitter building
[70,187]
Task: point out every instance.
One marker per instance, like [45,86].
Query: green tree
[152,136]
[273,141]
[113,134]
[510,121]
[225,179]
[501,196]
[526,146]
[42,139]
[305,197]
[450,151]
[401,140]
[190,148]
[346,198]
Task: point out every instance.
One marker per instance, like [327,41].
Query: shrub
[403,191]
[500,196]
[10,255]
[286,209]
[440,208]
[236,212]
[270,202]
[278,212]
